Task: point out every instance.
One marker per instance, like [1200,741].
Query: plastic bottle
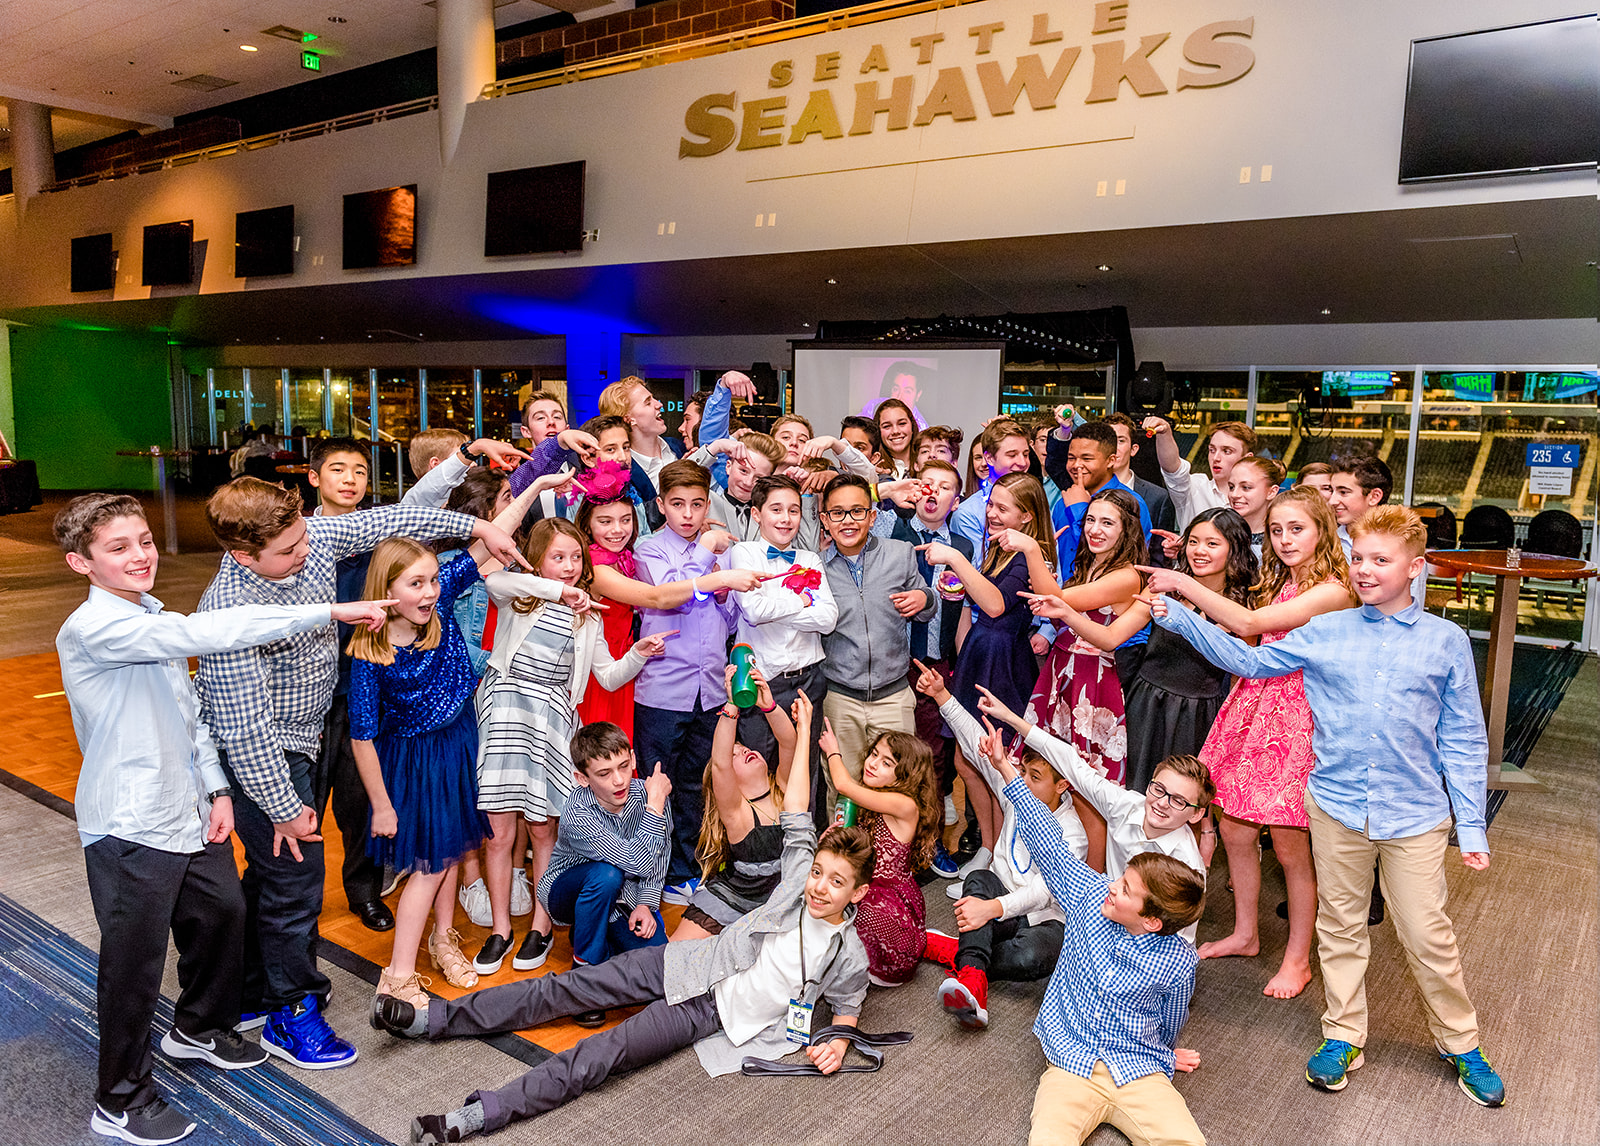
[845,813]
[744,685]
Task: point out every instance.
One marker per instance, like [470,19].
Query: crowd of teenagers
[742,672]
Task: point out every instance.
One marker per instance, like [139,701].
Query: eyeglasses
[1159,795]
[854,513]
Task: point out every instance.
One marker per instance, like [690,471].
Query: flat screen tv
[94,263]
[380,228]
[534,210]
[167,248]
[263,242]
[1503,101]
[1355,383]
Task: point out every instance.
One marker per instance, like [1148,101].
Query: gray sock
[468,1120]
[419,1023]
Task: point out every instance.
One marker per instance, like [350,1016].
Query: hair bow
[607,481]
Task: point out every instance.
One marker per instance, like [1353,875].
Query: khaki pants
[1412,873]
[1149,1110]
[857,723]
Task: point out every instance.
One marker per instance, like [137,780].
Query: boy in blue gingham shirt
[1120,991]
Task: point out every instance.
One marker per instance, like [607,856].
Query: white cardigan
[590,655]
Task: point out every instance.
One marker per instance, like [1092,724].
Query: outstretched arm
[1228,652]
[899,809]
[1241,621]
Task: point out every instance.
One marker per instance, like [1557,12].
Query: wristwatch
[211,797]
[471,458]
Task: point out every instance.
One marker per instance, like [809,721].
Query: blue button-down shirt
[1114,997]
[1399,736]
[148,757]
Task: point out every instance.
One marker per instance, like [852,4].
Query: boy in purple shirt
[677,696]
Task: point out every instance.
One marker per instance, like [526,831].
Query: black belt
[865,1042]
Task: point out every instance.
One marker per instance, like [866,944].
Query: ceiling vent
[204,83]
[284,32]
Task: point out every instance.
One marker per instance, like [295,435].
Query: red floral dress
[1259,750]
[891,918]
[599,703]
[1079,700]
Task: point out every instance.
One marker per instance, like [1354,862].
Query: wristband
[831,755]
[469,457]
[214,796]
[726,715]
[694,585]
[773,708]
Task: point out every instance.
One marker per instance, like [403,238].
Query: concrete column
[33,149]
[593,362]
[466,63]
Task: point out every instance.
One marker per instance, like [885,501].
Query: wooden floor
[44,752]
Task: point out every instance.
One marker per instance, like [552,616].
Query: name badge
[798,1027]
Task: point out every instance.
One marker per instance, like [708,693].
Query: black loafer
[590,1018]
[491,954]
[374,915]
[393,1015]
[534,951]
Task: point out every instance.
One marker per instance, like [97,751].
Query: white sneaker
[953,889]
[950,813]
[521,893]
[475,902]
[979,862]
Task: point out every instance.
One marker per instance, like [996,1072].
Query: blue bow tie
[786,554]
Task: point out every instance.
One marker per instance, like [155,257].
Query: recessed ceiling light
[248,48]
[174,72]
[833,282]
[107,92]
[337,20]
[1326,310]
[1103,267]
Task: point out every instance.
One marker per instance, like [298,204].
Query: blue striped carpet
[48,1048]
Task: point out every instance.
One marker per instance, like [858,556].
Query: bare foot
[1185,1059]
[1234,944]
[1290,980]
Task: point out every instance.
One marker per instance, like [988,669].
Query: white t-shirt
[750,1001]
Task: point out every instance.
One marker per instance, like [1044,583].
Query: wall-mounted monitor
[1474,387]
[380,228]
[1503,101]
[263,242]
[1356,383]
[1560,387]
[94,263]
[168,258]
[534,210]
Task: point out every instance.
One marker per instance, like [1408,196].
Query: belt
[864,1041]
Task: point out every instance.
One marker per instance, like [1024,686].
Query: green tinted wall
[82,395]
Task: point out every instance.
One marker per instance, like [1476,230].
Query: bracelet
[771,708]
[831,755]
[726,715]
[219,793]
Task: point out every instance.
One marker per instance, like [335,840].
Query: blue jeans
[584,897]
[682,742]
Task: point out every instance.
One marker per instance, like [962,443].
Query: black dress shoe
[374,915]
[590,1018]
[392,1015]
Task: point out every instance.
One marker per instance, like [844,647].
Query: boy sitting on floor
[746,991]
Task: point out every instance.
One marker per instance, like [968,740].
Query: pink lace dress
[891,919]
[1259,749]
[1079,699]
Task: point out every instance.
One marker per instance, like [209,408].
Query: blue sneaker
[680,893]
[1477,1078]
[942,866]
[1331,1063]
[299,1034]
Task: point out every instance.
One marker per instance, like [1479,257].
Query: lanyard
[804,980]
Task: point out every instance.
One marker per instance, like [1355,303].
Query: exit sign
[311,61]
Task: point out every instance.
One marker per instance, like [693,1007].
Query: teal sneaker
[1331,1064]
[1477,1078]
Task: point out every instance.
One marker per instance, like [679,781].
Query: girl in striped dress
[548,642]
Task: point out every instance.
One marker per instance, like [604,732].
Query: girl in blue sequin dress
[415,737]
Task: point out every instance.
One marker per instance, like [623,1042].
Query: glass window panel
[1201,399]
[227,395]
[305,402]
[504,390]
[399,418]
[1305,416]
[350,403]
[266,398]
[450,400]
[1030,388]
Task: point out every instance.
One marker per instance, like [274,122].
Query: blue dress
[418,714]
[996,653]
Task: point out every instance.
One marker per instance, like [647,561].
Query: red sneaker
[966,998]
[942,948]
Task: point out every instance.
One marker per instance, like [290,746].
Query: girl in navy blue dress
[995,652]
[415,736]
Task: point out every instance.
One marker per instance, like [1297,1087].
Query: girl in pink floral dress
[1259,749]
[1079,694]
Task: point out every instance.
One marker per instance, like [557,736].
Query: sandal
[446,956]
[411,989]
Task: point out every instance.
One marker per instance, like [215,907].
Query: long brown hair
[538,544]
[712,848]
[1327,560]
[914,777]
[1031,499]
[1130,548]
[391,558]
[897,404]
[586,512]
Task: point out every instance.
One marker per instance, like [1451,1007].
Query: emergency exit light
[311,61]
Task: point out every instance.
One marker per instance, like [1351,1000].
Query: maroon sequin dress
[891,919]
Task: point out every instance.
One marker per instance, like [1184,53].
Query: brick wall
[656,25]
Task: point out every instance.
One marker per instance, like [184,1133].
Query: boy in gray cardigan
[731,995]
[878,590]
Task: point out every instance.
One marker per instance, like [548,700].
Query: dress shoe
[590,1018]
[374,915]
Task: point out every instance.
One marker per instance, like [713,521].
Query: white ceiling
[117,59]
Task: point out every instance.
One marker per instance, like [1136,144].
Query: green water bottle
[744,685]
[845,812]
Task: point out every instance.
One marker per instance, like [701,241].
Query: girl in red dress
[1259,749]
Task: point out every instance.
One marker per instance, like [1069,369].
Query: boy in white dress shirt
[154,809]
[1194,493]
[783,618]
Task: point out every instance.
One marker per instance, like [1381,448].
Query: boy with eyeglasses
[878,588]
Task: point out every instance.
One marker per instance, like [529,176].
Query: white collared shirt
[148,757]
[1192,494]
[776,622]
